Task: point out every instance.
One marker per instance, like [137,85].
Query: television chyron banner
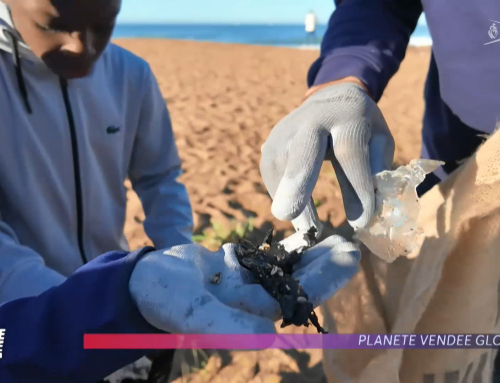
[290,341]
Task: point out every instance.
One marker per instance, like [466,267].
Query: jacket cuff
[339,65]
[125,305]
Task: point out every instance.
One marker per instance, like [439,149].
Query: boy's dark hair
[68,35]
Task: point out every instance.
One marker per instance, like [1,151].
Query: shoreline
[415,42]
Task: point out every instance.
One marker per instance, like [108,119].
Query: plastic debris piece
[394,231]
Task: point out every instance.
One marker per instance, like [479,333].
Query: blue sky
[224,11]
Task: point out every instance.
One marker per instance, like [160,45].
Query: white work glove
[340,123]
[174,293]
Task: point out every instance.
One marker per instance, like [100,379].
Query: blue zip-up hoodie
[43,339]
[368,40]
[66,148]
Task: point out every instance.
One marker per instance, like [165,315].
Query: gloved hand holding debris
[189,289]
[340,123]
[343,124]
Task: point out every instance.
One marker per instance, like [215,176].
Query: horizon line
[208,23]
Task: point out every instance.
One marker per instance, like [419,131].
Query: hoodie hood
[6,28]
[12,42]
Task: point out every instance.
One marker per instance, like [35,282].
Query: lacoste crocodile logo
[112,129]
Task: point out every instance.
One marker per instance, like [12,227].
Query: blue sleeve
[366,39]
[43,340]
[155,176]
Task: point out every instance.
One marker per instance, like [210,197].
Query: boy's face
[68,35]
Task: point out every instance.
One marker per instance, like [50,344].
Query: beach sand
[224,100]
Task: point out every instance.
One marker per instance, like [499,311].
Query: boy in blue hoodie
[78,117]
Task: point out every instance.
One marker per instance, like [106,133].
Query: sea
[292,36]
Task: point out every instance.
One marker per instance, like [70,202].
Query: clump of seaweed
[272,267]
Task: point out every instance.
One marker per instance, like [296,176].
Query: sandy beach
[224,100]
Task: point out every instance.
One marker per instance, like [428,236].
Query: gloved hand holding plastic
[340,123]
[343,124]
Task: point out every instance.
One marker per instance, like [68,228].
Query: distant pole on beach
[310,27]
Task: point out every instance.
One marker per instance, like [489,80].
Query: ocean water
[273,35]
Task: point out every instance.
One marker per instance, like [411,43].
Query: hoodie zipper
[76,166]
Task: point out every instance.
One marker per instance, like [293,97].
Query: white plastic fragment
[394,231]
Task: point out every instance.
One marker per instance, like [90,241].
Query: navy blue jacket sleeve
[43,339]
[366,39]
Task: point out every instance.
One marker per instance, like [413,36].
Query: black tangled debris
[272,266]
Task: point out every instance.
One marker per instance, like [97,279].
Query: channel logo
[2,337]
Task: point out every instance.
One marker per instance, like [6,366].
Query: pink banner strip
[219,342]
[288,341]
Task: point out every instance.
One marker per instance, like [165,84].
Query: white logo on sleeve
[493,33]
[2,336]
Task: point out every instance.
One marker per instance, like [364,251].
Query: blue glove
[180,290]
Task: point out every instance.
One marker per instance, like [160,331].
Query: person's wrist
[137,278]
[350,79]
